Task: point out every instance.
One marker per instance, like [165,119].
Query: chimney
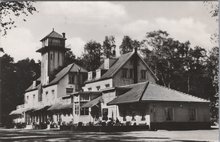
[90,75]
[64,35]
[34,84]
[106,63]
[135,49]
[98,73]
[114,53]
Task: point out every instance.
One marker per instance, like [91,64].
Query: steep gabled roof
[117,65]
[53,34]
[152,92]
[70,68]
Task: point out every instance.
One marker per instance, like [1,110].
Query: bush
[80,124]
[128,123]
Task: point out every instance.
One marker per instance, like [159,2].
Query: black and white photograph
[109,71]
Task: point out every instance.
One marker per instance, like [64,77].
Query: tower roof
[53,34]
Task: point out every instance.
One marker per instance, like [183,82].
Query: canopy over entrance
[93,102]
[60,106]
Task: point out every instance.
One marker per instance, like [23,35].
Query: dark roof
[81,93]
[42,108]
[117,65]
[133,94]
[156,92]
[53,34]
[70,68]
[31,88]
[152,92]
[93,102]
[17,111]
[60,106]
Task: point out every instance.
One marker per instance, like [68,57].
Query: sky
[85,21]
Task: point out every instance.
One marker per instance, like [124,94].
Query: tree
[92,55]
[163,52]
[214,11]
[109,46]
[128,45]
[16,77]
[9,9]
[213,72]
[176,64]
[71,58]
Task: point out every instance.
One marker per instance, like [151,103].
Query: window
[84,111]
[143,115]
[124,115]
[89,89]
[27,99]
[124,73]
[51,56]
[55,42]
[69,90]
[71,78]
[107,85]
[192,114]
[47,96]
[105,114]
[77,109]
[98,87]
[52,91]
[34,97]
[169,113]
[84,97]
[131,73]
[133,117]
[143,74]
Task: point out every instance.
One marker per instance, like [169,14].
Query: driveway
[66,136]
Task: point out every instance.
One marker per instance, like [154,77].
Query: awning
[42,108]
[29,110]
[93,102]
[59,106]
[17,112]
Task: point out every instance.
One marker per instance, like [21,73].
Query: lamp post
[1,54]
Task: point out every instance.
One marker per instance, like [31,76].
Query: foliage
[175,63]
[128,45]
[213,72]
[16,77]
[92,56]
[109,46]
[11,9]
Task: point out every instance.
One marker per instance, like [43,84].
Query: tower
[52,53]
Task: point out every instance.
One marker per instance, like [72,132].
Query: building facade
[122,89]
[43,98]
